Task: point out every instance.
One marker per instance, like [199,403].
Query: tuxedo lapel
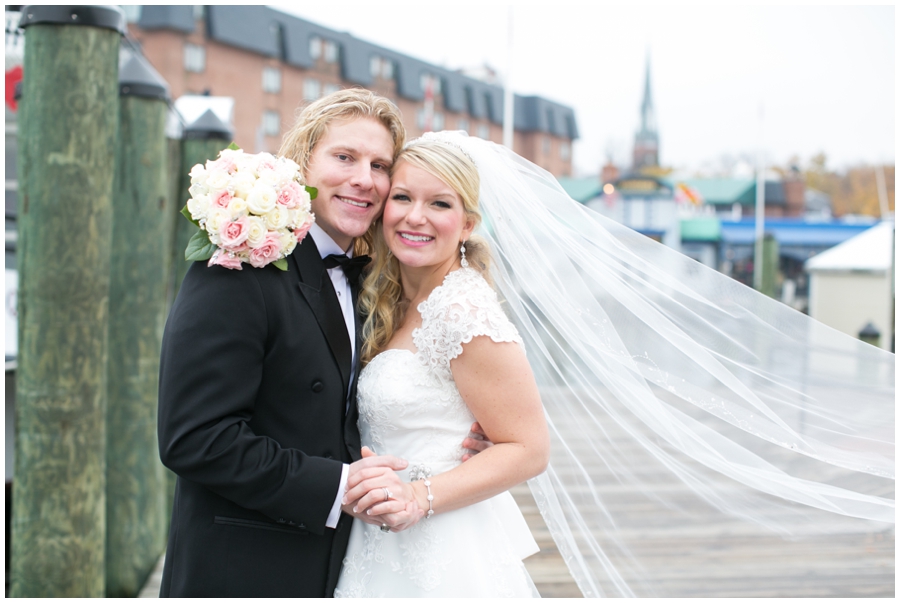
[315,286]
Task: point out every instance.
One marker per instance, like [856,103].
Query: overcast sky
[824,76]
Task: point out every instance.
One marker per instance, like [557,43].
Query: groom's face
[350,166]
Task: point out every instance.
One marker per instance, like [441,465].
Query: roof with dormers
[272,33]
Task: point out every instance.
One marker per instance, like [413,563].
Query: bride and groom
[650,364]
[261,418]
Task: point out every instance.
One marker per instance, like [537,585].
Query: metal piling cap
[107,17]
[207,126]
[138,78]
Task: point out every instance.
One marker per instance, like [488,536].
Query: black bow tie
[352,267]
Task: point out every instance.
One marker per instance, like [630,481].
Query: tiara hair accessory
[445,138]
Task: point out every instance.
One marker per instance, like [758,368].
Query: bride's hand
[380,496]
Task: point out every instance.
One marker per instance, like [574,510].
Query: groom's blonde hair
[352,103]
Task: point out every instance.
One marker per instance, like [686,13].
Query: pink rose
[266,162]
[225,163]
[233,234]
[221,199]
[300,231]
[290,195]
[267,252]
[226,260]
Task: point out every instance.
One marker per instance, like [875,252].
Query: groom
[257,410]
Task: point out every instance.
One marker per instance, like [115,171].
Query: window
[381,67]
[271,80]
[565,151]
[462,124]
[329,88]
[311,89]
[194,58]
[420,119]
[315,47]
[437,121]
[330,51]
[484,132]
[271,123]
[428,79]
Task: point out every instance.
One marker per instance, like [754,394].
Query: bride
[670,391]
[440,353]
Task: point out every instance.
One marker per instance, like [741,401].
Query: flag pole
[508,105]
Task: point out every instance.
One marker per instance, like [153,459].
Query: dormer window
[315,47]
[330,51]
[381,67]
[427,80]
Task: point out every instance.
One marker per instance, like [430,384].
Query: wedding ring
[385,527]
[387,494]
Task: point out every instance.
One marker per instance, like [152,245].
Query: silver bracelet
[430,498]
[422,473]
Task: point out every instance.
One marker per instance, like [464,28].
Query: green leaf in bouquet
[233,147]
[281,264]
[199,248]
[187,214]
[313,192]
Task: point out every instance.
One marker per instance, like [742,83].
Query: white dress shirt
[326,246]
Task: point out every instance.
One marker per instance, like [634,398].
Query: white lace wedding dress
[409,407]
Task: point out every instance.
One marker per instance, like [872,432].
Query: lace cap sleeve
[463,307]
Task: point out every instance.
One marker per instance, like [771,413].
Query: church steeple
[646,140]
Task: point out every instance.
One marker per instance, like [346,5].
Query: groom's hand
[367,499]
[476,442]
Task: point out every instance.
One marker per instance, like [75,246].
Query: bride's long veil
[671,387]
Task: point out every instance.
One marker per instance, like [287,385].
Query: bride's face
[424,219]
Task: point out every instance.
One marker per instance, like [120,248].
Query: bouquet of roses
[250,208]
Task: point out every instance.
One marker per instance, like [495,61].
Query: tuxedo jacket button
[318,386]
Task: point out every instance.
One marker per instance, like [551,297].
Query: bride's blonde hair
[380,298]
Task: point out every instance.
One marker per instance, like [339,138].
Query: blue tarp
[792,232]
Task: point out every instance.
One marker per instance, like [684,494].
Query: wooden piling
[136,513]
[68,121]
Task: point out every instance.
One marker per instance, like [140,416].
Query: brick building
[271,63]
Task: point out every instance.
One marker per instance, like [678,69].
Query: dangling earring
[462,253]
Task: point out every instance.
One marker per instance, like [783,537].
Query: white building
[852,284]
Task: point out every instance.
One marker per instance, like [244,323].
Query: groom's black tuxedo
[254,376]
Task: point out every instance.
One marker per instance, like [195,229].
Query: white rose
[261,199]
[216,217]
[288,242]
[199,206]
[286,169]
[198,190]
[243,184]
[237,208]
[256,231]
[269,177]
[198,174]
[217,180]
[277,217]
